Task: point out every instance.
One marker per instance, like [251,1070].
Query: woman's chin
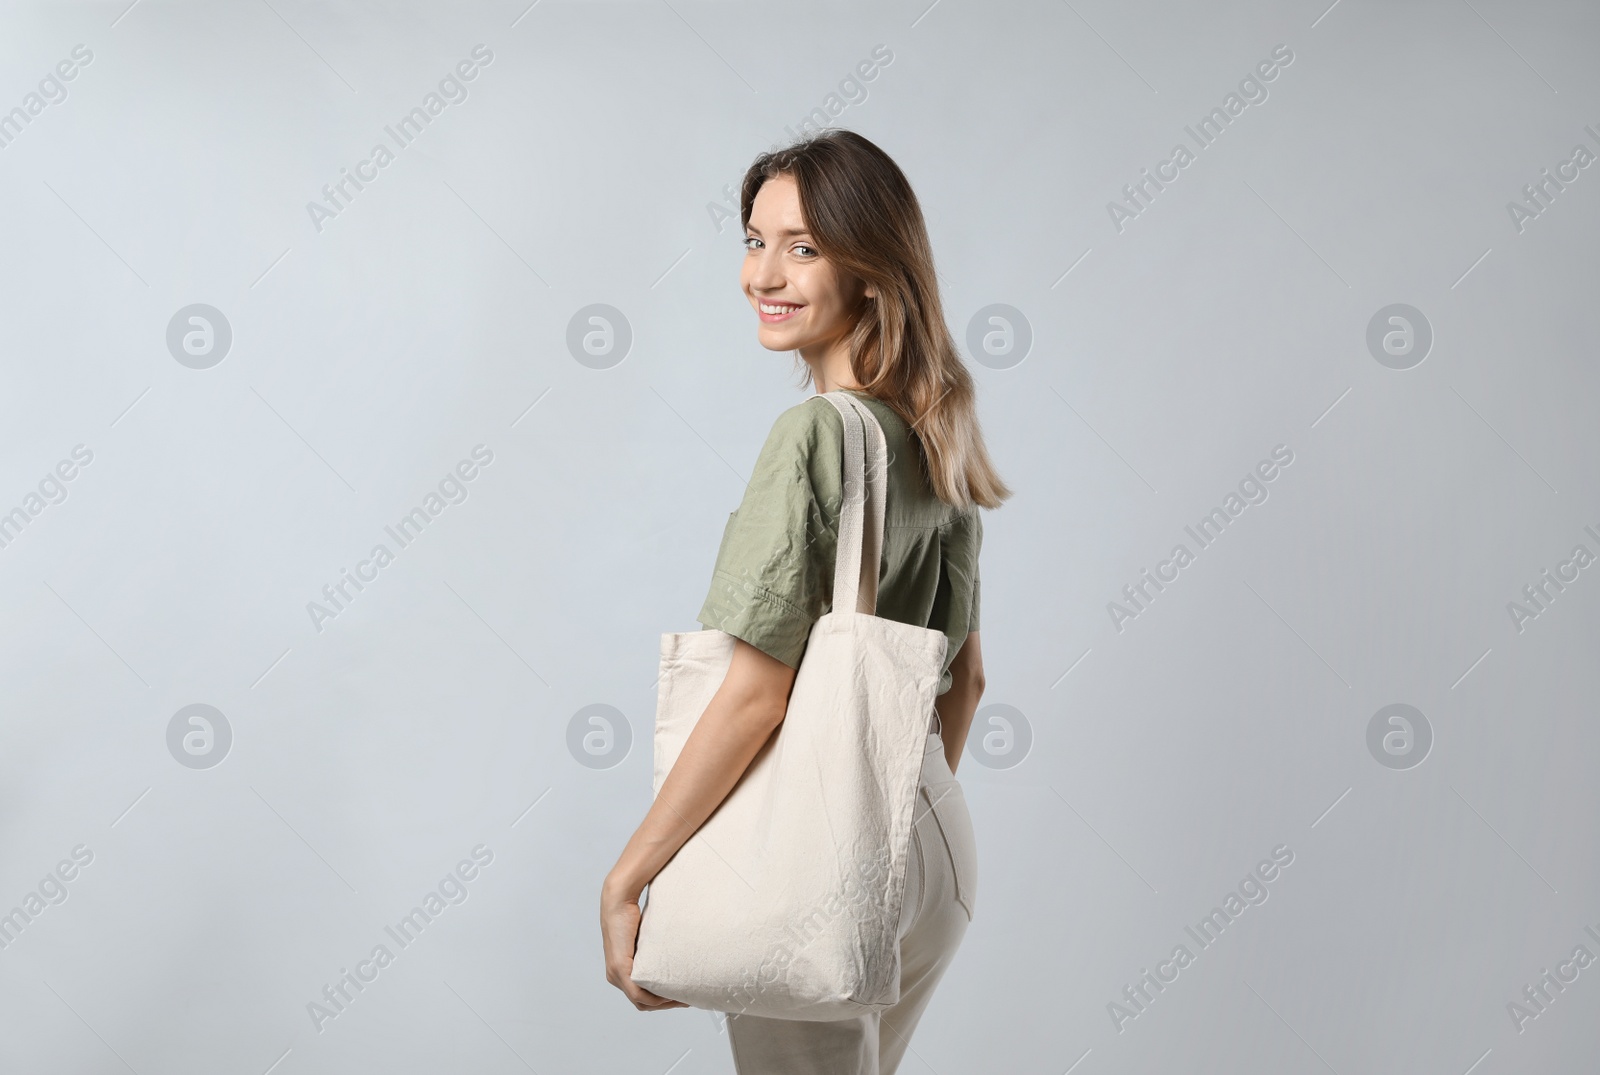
[773,338]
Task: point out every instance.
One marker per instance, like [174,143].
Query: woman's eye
[748,239]
[803,246]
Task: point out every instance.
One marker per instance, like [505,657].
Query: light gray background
[433,714]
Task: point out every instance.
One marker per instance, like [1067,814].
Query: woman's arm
[740,718]
[957,704]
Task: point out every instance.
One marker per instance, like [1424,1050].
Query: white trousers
[941,882]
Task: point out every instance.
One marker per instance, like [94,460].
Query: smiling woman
[800,297]
[838,270]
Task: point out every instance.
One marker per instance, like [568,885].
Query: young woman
[839,270]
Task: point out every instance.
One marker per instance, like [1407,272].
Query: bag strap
[861,514]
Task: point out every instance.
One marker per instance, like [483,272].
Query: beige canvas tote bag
[786,902]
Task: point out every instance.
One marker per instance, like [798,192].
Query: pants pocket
[949,805]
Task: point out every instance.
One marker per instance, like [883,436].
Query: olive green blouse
[774,572]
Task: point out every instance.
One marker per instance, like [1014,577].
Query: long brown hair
[865,218]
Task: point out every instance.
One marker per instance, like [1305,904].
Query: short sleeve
[773,577]
[977,579]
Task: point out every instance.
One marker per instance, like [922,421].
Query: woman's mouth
[773,312]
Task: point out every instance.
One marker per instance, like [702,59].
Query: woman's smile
[773,312]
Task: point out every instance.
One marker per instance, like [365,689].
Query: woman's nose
[767,275]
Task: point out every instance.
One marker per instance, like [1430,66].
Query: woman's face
[804,302]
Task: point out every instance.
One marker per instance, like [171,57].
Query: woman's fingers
[647,1001]
[620,932]
[619,974]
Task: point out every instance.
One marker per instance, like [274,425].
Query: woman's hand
[619,928]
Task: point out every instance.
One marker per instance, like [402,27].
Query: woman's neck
[831,369]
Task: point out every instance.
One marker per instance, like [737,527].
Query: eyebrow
[781,234]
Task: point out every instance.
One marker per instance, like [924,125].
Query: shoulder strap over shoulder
[861,515]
